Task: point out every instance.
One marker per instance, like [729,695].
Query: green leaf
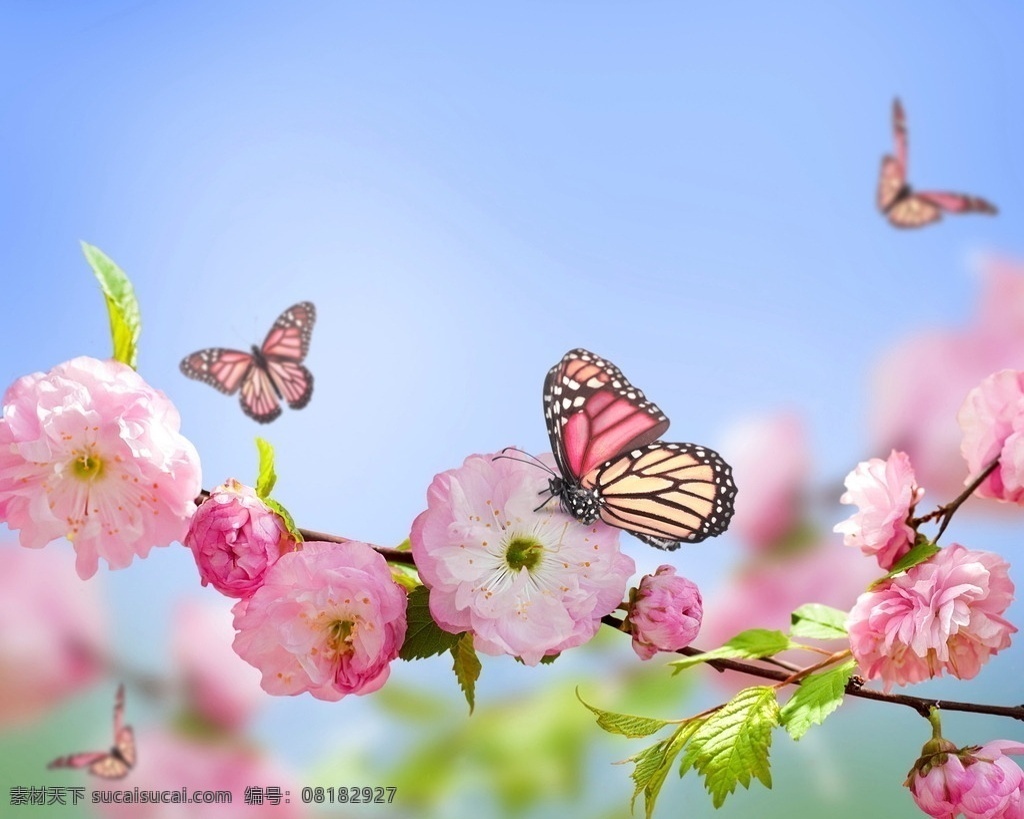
[626,724]
[732,744]
[649,771]
[918,553]
[818,622]
[122,306]
[289,521]
[467,666]
[405,545]
[267,476]
[747,645]
[424,637]
[818,696]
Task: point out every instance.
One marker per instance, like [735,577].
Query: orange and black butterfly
[112,764]
[906,208]
[604,434]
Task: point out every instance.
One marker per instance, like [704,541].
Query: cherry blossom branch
[945,512]
[854,687]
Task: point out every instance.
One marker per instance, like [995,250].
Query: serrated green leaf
[466,667]
[819,622]
[267,475]
[122,306]
[751,644]
[626,724]
[424,637]
[649,765]
[818,696]
[732,744]
[919,553]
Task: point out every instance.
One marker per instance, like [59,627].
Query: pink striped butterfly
[268,374]
[604,435]
[112,764]
[897,200]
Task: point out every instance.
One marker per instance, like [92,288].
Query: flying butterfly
[906,208]
[604,435]
[112,764]
[268,374]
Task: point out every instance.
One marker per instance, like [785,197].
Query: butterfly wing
[221,368]
[892,180]
[284,348]
[666,494]
[111,766]
[913,211]
[80,760]
[957,202]
[258,399]
[899,134]
[593,413]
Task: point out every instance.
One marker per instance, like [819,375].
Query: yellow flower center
[523,552]
[341,636]
[87,466]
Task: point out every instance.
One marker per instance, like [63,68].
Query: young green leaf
[818,696]
[122,306]
[649,771]
[424,637]
[918,553]
[732,744]
[467,666]
[267,475]
[818,622]
[747,645]
[626,724]
[289,521]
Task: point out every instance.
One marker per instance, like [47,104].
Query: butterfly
[269,373]
[604,435]
[897,200]
[112,764]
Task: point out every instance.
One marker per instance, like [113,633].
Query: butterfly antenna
[534,460]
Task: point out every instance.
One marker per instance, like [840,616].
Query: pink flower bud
[979,783]
[666,613]
[235,538]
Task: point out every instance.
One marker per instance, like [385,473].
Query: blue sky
[466,191]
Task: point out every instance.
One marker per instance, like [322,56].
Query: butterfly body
[902,205]
[604,435]
[267,375]
[112,764]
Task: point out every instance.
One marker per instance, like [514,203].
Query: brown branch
[854,687]
[783,672]
[945,513]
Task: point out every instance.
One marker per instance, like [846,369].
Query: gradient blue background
[468,190]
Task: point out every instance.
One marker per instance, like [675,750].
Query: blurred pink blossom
[235,537]
[943,615]
[885,493]
[169,762]
[526,582]
[224,691]
[53,638]
[328,619]
[992,419]
[979,783]
[763,594]
[665,614]
[770,459]
[920,383]
[91,452]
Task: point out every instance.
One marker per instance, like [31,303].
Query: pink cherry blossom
[943,615]
[978,783]
[169,762]
[218,688]
[328,619]
[53,632]
[235,537]
[91,452]
[525,581]
[920,382]
[770,459]
[665,614]
[992,418]
[885,493]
